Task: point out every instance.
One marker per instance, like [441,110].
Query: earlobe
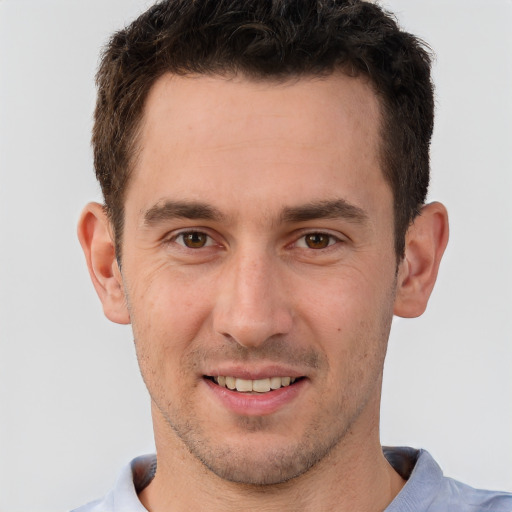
[425,242]
[96,241]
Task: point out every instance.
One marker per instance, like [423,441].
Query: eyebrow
[194,210]
[331,209]
[169,210]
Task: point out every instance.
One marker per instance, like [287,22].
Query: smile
[255,397]
[253,386]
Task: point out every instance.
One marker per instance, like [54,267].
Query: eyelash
[208,242]
[301,242]
[331,240]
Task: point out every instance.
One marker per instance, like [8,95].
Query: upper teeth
[258,385]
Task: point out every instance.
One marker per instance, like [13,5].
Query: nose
[252,305]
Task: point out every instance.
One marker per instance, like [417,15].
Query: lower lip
[256,404]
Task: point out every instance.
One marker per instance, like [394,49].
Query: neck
[354,476]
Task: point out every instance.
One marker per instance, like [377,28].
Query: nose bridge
[252,307]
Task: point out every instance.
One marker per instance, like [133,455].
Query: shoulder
[427,489]
[470,499]
[94,506]
[123,496]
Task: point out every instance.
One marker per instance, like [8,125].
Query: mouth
[248,386]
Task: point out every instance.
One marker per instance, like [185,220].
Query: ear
[425,242]
[94,233]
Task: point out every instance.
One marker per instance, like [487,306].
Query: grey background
[73,408]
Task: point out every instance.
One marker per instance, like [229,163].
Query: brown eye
[194,239]
[317,240]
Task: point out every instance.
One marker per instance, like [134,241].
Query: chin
[267,468]
[261,462]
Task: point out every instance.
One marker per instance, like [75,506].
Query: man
[264,167]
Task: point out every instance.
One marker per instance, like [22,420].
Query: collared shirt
[426,488]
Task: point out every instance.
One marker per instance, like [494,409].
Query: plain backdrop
[73,408]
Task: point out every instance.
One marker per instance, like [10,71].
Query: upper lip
[253,373]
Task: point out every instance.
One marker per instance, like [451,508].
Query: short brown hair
[276,40]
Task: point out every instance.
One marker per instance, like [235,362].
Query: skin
[228,269]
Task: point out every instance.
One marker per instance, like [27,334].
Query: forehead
[235,140]
[237,106]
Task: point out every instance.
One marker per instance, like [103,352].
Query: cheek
[343,299]
[166,298]
[168,312]
[350,317]
[165,326]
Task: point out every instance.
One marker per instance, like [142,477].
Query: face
[258,255]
